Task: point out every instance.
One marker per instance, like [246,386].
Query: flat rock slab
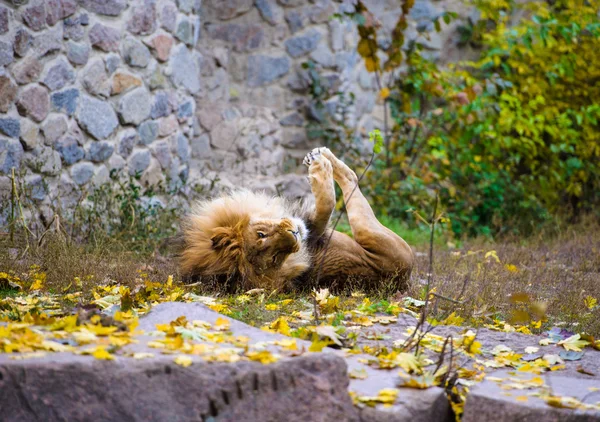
[312,386]
[590,361]
[494,400]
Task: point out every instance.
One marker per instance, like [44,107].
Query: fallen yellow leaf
[102,354]
[222,324]
[264,356]
[573,343]
[183,360]
[142,355]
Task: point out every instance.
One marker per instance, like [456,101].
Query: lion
[252,240]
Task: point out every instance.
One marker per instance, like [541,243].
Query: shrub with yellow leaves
[508,140]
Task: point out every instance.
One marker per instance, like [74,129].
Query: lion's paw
[311,157]
[315,155]
[341,172]
[320,168]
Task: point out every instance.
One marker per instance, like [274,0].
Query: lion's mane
[229,216]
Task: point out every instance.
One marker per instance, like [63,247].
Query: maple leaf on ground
[287,344]
[408,362]
[531,357]
[329,332]
[501,348]
[85,336]
[222,324]
[557,334]
[420,382]
[280,325]
[102,354]
[453,319]
[562,402]
[553,359]
[183,360]
[571,355]
[264,356]
[573,343]
[360,374]
[318,345]
[591,302]
[595,344]
[387,397]
[321,296]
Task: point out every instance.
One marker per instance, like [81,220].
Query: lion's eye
[261,235]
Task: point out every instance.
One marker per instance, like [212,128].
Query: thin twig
[450,361]
[423,318]
[13,194]
[17,200]
[408,343]
[441,358]
[315,309]
[464,287]
[449,299]
[385,123]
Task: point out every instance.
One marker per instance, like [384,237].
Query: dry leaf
[183,360]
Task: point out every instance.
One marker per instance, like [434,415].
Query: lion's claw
[314,155]
[311,157]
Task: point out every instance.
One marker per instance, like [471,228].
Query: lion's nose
[295,233]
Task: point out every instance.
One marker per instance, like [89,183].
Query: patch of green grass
[6,292]
[261,309]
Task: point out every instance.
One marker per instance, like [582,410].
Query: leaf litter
[34,323]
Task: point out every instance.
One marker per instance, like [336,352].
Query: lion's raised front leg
[320,177]
[384,249]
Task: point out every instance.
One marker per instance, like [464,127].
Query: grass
[554,280]
[540,282]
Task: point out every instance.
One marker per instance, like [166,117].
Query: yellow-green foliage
[507,140]
[548,114]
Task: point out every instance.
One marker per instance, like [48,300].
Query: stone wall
[188,93]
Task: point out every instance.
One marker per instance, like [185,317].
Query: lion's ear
[223,237]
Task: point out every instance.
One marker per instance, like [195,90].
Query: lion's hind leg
[386,249]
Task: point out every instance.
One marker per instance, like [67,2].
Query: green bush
[508,141]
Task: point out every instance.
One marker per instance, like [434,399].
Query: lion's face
[264,244]
[269,242]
